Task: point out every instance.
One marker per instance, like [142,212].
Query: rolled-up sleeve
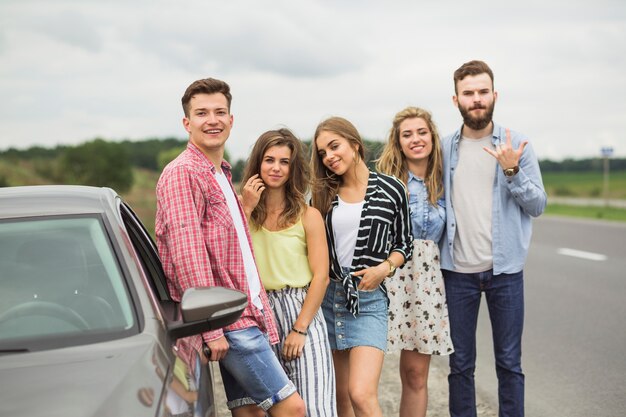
[527,186]
[180,236]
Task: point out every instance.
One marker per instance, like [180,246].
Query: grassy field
[142,197]
[584,184]
[600,213]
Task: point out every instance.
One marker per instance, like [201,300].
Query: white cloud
[74,70]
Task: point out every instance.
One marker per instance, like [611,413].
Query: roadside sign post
[607,152]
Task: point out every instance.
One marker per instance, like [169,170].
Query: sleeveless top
[281,257]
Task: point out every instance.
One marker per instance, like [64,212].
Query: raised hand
[505,154]
[251,193]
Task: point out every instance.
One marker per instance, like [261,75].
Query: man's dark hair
[474,67]
[205,86]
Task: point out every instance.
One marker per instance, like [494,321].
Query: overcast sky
[74,70]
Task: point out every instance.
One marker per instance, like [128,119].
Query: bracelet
[293,329]
[392,267]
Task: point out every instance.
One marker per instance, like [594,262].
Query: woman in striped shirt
[369,235]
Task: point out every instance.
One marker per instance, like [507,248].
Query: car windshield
[59,278]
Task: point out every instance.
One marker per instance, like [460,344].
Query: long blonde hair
[296,186]
[326,183]
[393,162]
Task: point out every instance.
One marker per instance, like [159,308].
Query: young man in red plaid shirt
[203,241]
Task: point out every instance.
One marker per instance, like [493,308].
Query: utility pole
[607,152]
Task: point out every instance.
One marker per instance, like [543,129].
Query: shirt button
[339,323]
[339,336]
[337,305]
[338,293]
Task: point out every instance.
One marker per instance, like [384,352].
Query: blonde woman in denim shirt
[418,315]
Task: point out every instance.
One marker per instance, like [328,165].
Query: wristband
[293,329]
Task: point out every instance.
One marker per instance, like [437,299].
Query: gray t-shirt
[472,197]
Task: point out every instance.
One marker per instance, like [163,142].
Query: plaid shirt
[197,239]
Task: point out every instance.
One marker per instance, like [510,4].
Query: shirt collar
[496,138]
[198,154]
[414,177]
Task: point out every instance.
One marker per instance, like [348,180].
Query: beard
[477,123]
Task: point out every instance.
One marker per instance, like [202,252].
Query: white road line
[582,254]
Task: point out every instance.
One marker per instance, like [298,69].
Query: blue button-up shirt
[427,221]
[515,200]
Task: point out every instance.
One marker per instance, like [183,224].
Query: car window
[147,252]
[59,277]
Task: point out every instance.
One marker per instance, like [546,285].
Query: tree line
[101,162]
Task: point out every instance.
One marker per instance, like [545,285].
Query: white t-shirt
[248,260]
[346,219]
[472,197]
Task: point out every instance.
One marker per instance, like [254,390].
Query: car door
[190,378]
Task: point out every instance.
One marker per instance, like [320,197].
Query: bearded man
[492,187]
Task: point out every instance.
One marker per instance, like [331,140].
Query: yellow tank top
[281,257]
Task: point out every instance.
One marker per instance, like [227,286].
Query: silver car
[87,325]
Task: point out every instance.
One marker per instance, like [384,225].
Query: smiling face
[335,152]
[416,140]
[209,123]
[476,100]
[275,166]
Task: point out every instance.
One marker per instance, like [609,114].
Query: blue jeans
[505,300]
[251,372]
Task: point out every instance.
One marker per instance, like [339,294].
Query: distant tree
[167,156]
[237,171]
[98,163]
[146,153]
[3,181]
[374,149]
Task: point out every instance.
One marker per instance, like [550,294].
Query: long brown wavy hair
[296,186]
[393,162]
[326,183]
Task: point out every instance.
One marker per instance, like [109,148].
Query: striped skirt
[312,373]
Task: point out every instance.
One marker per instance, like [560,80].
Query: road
[574,351]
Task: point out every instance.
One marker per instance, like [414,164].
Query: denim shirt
[515,200]
[427,221]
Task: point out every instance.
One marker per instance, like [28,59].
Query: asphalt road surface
[574,351]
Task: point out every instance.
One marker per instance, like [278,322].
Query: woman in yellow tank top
[289,242]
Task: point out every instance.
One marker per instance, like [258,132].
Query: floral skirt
[418,313]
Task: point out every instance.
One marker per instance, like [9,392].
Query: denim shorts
[368,328]
[251,372]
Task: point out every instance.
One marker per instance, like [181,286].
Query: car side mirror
[207,308]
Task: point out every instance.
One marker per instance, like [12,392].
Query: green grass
[142,196]
[584,184]
[603,213]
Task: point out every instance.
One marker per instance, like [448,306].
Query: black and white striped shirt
[385,227]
